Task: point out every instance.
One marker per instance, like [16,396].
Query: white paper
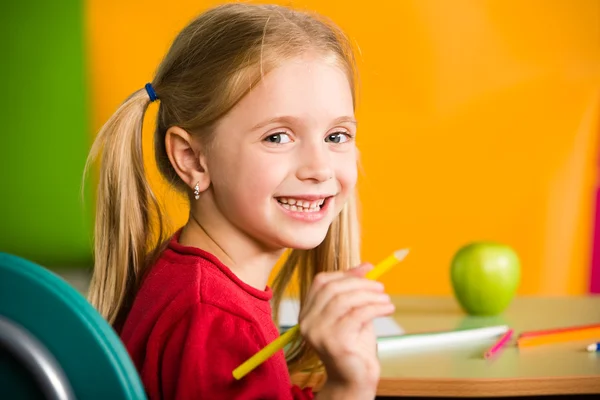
[440,339]
[289,310]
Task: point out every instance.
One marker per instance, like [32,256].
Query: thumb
[361,270]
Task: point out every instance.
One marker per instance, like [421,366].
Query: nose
[315,163]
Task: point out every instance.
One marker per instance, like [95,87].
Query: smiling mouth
[300,205]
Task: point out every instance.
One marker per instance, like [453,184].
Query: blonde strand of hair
[125,203]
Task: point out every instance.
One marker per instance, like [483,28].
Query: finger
[344,303]
[320,280]
[317,325]
[359,316]
[337,287]
[323,278]
[345,338]
[361,270]
[320,283]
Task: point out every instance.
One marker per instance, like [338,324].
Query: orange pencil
[560,337]
[557,330]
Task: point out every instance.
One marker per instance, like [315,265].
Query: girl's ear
[187,158]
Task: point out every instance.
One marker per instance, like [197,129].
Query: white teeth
[301,205]
[300,202]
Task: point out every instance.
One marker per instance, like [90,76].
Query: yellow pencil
[287,337]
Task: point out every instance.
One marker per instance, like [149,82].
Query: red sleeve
[203,349]
[299,394]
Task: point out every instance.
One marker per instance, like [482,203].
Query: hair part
[212,64]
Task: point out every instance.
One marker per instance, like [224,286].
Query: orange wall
[478,120]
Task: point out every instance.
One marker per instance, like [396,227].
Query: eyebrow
[294,120]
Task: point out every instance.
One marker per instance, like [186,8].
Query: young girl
[256,125]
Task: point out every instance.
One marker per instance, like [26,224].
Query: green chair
[54,344]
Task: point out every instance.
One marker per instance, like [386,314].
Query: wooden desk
[461,370]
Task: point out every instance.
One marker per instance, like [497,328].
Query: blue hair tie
[151,92]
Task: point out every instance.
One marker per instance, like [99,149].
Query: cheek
[247,177]
[261,172]
[347,171]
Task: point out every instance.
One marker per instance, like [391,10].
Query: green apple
[485,277]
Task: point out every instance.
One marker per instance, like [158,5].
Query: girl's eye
[338,137]
[278,138]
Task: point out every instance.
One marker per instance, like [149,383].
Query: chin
[304,245]
[304,241]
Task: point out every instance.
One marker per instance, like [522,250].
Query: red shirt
[193,322]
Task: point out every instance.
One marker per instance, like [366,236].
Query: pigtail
[125,209]
[339,251]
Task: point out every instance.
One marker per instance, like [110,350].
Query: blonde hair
[212,64]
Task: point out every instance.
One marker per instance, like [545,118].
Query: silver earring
[197,191]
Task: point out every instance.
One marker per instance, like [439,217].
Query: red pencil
[499,344]
[557,330]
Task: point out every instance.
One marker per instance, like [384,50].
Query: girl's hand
[337,321]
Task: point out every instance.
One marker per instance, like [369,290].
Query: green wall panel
[45,132]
